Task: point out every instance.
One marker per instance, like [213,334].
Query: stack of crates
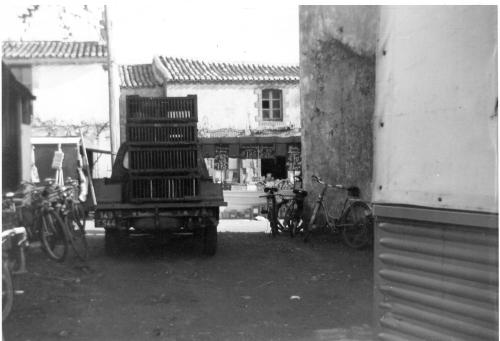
[163,148]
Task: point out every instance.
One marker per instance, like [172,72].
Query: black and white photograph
[249,171]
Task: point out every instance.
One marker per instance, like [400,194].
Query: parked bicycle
[38,212]
[354,223]
[272,210]
[72,213]
[293,212]
[14,241]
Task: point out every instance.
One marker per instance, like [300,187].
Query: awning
[279,144]
[250,140]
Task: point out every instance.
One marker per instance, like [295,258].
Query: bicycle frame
[322,203]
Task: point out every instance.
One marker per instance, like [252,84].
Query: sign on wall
[221,160]
[294,160]
[257,152]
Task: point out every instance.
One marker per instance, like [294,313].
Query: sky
[254,32]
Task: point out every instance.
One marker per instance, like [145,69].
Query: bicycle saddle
[270,189]
[8,195]
[300,192]
[354,192]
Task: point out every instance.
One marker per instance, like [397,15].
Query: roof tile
[188,71]
[52,49]
[137,76]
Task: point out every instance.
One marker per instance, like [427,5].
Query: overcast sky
[255,32]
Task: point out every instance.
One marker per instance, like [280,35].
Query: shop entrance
[276,166]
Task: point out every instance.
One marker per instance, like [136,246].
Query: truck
[159,183]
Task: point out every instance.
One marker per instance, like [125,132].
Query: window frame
[270,110]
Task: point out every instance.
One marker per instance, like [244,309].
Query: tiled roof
[188,71]
[139,75]
[53,49]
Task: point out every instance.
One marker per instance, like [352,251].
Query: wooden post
[89,173]
[59,172]
[114,89]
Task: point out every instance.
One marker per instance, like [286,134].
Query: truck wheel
[210,240]
[112,242]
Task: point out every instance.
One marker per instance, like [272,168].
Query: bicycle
[282,205]
[39,214]
[73,215]
[293,215]
[272,210]
[14,241]
[355,221]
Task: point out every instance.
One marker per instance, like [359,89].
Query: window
[272,108]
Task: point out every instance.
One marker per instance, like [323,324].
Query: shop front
[242,164]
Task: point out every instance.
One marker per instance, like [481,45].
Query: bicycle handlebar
[318,180]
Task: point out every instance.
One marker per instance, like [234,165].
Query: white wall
[70,93]
[436,117]
[237,105]
[26,152]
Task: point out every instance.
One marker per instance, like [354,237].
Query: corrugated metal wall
[435,280]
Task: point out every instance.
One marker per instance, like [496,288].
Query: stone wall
[337,84]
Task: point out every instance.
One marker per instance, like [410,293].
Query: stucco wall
[337,85]
[238,105]
[70,93]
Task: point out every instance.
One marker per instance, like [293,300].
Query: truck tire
[210,240]
[113,241]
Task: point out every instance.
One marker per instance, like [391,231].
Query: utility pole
[113,86]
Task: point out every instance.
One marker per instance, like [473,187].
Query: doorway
[276,166]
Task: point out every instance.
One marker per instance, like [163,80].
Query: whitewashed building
[70,81]
[249,115]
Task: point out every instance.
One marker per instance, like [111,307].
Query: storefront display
[246,164]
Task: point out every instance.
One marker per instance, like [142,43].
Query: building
[70,81]
[427,126]
[17,112]
[249,115]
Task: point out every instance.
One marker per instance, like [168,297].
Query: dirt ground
[255,288]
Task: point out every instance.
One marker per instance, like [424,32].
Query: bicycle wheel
[356,225]
[288,217]
[54,236]
[271,216]
[281,212]
[296,226]
[78,213]
[78,239]
[272,222]
[7,291]
[291,221]
[309,227]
